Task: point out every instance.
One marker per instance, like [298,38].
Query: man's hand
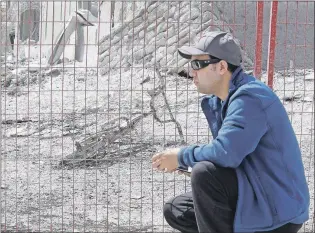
[166,160]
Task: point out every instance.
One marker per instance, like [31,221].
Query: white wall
[54,17]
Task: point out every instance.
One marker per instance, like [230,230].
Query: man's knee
[202,172]
[169,211]
[179,213]
[210,179]
[179,208]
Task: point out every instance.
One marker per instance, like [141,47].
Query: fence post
[259,34]
[272,42]
[2,45]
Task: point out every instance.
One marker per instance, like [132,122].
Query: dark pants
[211,205]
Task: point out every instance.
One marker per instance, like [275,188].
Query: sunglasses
[199,64]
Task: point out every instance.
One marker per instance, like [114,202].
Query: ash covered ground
[77,146]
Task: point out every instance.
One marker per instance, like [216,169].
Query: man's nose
[192,73]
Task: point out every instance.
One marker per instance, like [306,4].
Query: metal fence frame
[272,45]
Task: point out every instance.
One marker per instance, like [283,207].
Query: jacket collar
[236,79]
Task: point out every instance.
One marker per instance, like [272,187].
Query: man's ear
[223,67]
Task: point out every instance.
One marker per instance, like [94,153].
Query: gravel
[49,120]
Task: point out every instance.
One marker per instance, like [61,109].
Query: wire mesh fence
[90,90]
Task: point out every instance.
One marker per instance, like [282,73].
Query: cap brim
[187,52]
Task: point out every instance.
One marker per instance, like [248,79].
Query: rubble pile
[154,33]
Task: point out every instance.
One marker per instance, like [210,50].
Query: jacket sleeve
[243,127]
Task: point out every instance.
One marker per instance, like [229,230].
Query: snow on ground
[50,112]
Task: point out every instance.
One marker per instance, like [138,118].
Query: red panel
[272,42]
[259,35]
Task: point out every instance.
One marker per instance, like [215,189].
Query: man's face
[208,79]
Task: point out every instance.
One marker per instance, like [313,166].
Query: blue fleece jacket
[253,134]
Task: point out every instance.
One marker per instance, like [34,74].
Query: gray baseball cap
[215,43]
